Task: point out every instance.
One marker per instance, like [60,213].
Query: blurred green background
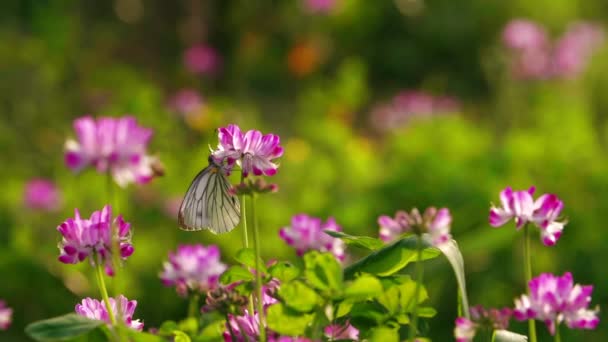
[314,78]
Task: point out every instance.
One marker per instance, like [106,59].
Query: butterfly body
[208,203]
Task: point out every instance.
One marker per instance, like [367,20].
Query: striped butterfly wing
[208,203]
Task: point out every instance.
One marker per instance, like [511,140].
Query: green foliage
[287,321]
[246,257]
[234,274]
[323,272]
[299,297]
[284,271]
[63,327]
[391,259]
[365,242]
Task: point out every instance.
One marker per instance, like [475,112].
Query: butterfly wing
[208,203]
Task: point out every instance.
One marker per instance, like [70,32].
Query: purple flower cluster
[95,309]
[246,328]
[534,57]
[434,222]
[115,145]
[554,299]
[341,332]
[493,319]
[519,205]
[193,267]
[42,194]
[92,238]
[6,316]
[253,151]
[308,233]
[410,104]
[202,59]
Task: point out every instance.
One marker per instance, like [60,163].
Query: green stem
[246,239]
[419,275]
[104,292]
[193,306]
[115,247]
[528,270]
[258,273]
[558,337]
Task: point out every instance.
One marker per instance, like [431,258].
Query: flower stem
[258,273]
[419,275]
[244,215]
[193,306]
[114,240]
[104,292]
[245,239]
[528,268]
[558,337]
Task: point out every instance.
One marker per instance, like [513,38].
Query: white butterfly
[208,203]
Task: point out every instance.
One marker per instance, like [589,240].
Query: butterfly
[208,203]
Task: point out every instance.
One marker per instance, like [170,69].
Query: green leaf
[426,312]
[246,256]
[285,321]
[234,274]
[139,336]
[383,334]
[167,328]
[366,242]
[62,327]
[180,336]
[452,253]
[368,313]
[391,258]
[344,308]
[212,332]
[399,298]
[284,271]
[298,296]
[323,272]
[363,287]
[189,324]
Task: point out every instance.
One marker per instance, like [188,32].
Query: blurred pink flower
[193,267]
[308,233]
[319,6]
[575,48]
[171,206]
[202,59]
[253,151]
[95,309]
[436,223]
[115,145]
[186,102]
[392,228]
[534,57]
[6,316]
[410,104]
[42,194]
[92,238]
[555,299]
[521,206]
[522,34]
[491,319]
